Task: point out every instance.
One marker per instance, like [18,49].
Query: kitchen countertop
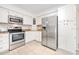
[31,30]
[4,32]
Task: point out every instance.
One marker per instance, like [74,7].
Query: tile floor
[35,48]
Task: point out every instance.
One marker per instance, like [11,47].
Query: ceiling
[37,8]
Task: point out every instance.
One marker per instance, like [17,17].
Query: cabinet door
[14,13]
[37,35]
[28,36]
[3,15]
[4,42]
[32,35]
[19,15]
[27,20]
[44,38]
[67,28]
[38,21]
[52,32]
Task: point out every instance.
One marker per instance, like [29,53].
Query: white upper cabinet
[3,15]
[38,21]
[27,20]
[14,13]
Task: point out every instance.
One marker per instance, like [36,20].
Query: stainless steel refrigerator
[50,32]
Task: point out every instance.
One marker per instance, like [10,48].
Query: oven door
[16,37]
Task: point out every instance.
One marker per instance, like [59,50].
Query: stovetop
[14,30]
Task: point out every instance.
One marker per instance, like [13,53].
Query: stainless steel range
[16,35]
[16,38]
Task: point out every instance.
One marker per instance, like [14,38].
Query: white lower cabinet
[32,35]
[28,36]
[4,42]
[38,35]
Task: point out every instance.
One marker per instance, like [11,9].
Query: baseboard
[37,41]
[33,40]
[70,53]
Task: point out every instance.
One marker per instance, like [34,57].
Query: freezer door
[44,21]
[52,37]
[44,38]
[44,32]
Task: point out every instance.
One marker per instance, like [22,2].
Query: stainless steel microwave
[15,19]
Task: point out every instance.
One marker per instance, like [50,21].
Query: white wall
[67,28]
